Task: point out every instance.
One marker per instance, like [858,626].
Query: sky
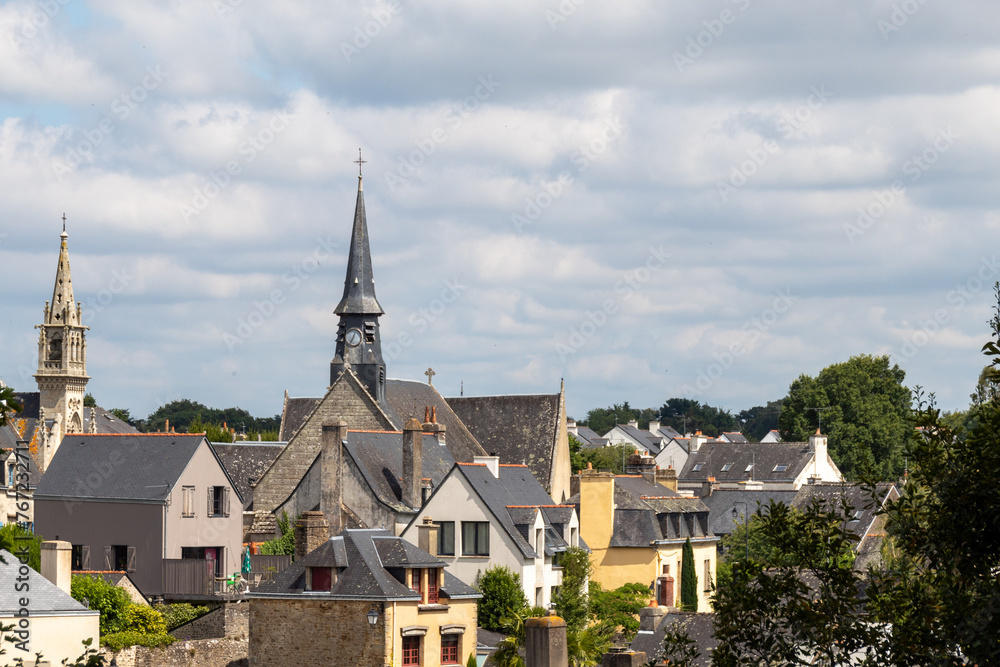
[645,199]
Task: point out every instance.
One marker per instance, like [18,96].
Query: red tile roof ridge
[362,430]
[122,435]
[533,506]
[513,465]
[462,463]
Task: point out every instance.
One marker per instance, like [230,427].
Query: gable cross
[430,375]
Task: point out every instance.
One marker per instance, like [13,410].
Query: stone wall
[198,653]
[231,621]
[315,632]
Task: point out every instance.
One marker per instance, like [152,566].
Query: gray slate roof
[142,467]
[765,456]
[378,454]
[721,503]
[699,627]
[246,462]
[647,439]
[519,429]
[46,597]
[365,576]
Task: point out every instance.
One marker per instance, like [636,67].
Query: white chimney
[491,462]
[817,443]
[697,440]
[633,423]
[57,563]
[654,428]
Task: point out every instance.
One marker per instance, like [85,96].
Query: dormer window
[697,467]
[781,467]
[321,579]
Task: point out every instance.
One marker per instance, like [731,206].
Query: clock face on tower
[353,337]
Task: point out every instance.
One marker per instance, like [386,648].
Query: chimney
[667,478]
[817,443]
[57,562]
[633,423]
[654,427]
[331,494]
[650,616]
[571,427]
[492,462]
[413,446]
[697,440]
[708,486]
[431,425]
[166,426]
[427,536]
[311,531]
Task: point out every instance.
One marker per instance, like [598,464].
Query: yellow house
[636,530]
[364,598]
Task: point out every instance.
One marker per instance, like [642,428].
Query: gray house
[140,503]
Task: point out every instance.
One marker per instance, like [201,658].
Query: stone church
[369,451]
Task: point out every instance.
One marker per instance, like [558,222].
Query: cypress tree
[689,579]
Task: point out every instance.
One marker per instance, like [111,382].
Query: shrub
[178,614]
[116,641]
[502,596]
[148,621]
[284,545]
[111,601]
[12,538]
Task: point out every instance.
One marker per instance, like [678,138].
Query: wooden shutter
[210,490]
[130,567]
[108,565]
[85,557]
[225,502]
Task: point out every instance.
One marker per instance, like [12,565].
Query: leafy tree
[576,459]
[123,622]
[759,420]
[510,650]
[122,414]
[183,412]
[681,413]
[679,650]
[8,403]
[89,401]
[179,613]
[867,419]
[502,596]
[283,545]
[618,610]
[571,601]
[689,578]
[603,420]
[15,538]
[610,458]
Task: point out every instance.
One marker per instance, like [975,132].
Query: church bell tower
[359,343]
[62,358]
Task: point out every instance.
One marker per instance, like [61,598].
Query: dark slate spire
[359,286]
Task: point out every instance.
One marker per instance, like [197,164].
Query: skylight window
[726,467]
[856,516]
[749,468]
[781,467]
[697,467]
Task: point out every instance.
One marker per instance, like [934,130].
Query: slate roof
[765,457]
[378,454]
[46,598]
[670,432]
[587,435]
[513,499]
[142,467]
[733,437]
[722,501]
[406,399]
[246,462]
[519,429]
[359,285]
[364,575]
[699,627]
[647,439]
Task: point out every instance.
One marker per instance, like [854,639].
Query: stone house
[364,597]
[139,502]
[636,529]
[486,513]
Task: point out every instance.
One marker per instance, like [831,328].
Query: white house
[489,514]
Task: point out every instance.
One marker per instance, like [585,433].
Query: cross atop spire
[64,222]
[360,161]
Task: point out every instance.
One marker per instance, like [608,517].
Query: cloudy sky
[648,199]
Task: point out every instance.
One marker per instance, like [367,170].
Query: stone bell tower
[62,362]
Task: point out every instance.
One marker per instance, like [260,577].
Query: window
[322,578]
[749,468]
[417,581]
[119,557]
[446,538]
[539,542]
[557,559]
[781,467]
[726,467]
[708,575]
[411,650]
[449,650]
[218,501]
[81,557]
[856,516]
[573,540]
[188,497]
[475,538]
[539,600]
[432,586]
[697,467]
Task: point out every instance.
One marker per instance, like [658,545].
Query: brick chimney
[427,536]
[311,531]
[57,563]
[431,425]
[331,495]
[413,445]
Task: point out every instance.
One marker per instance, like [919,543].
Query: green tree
[284,545]
[571,600]
[759,420]
[9,404]
[689,578]
[867,415]
[20,541]
[122,414]
[613,458]
[502,598]
[618,610]
[681,413]
[89,401]
[510,650]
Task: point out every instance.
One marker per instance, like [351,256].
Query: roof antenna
[461,389]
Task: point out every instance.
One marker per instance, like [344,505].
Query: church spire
[359,343]
[63,309]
